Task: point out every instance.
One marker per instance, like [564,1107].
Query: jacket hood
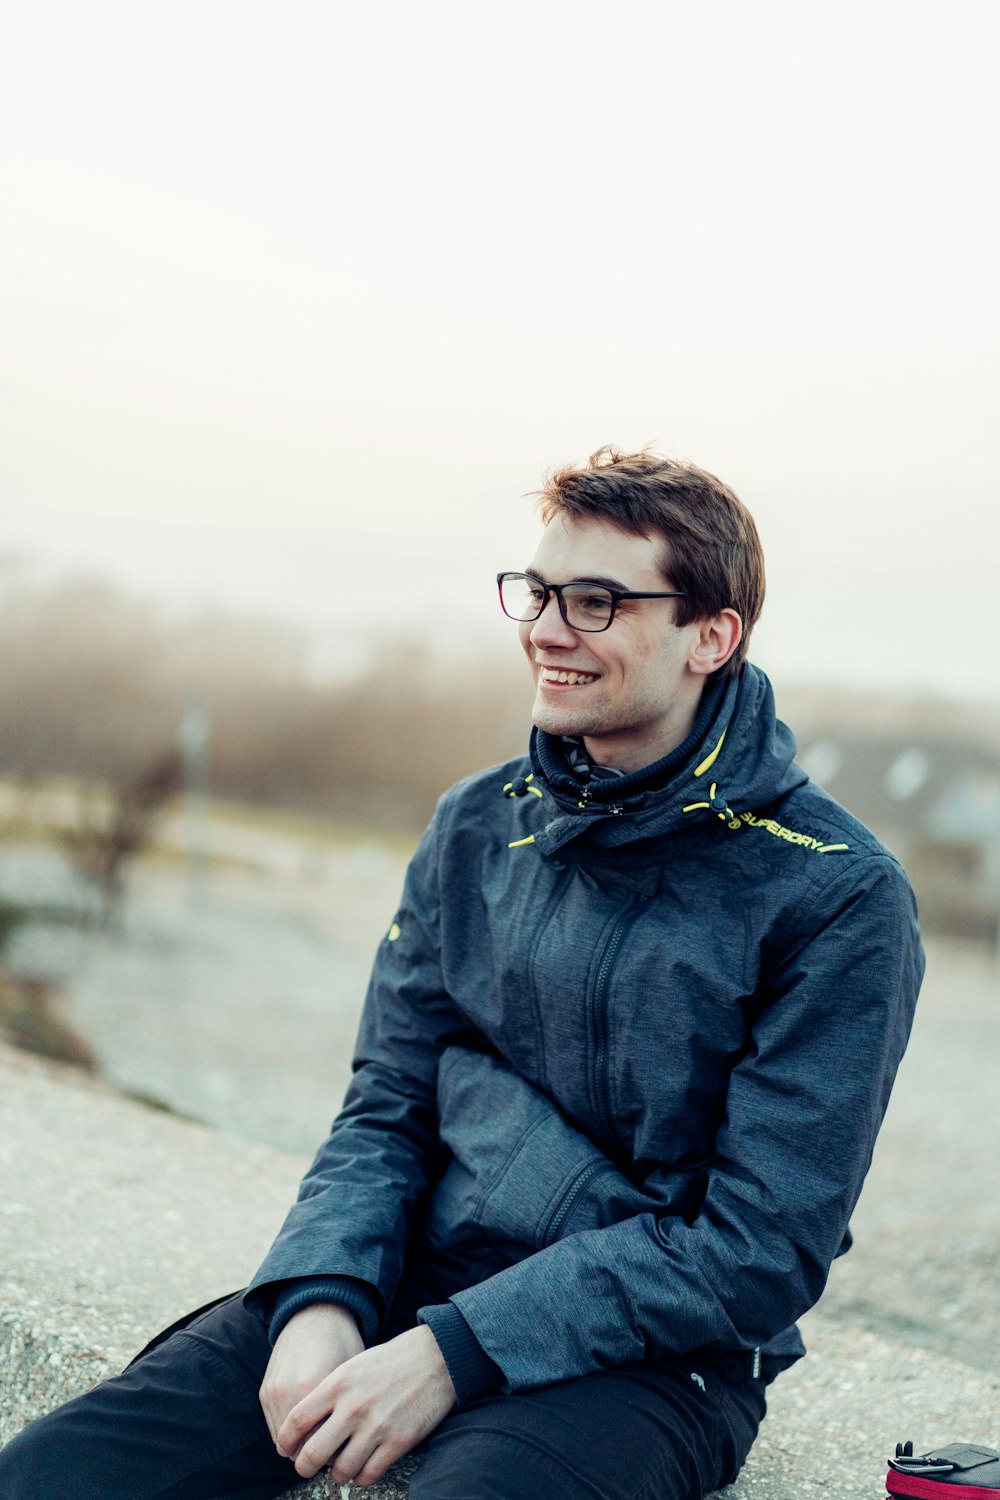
[738,757]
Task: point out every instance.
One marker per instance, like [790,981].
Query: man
[627,1046]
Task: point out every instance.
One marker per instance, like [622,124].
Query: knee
[482,1463]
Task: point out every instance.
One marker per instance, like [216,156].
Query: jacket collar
[738,756]
[550,758]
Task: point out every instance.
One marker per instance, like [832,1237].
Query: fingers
[271,1417]
[313,1419]
[313,1343]
[378,1465]
[371,1410]
[345,1464]
[357,1461]
[332,1427]
[280,1397]
[275,1404]
[346,1442]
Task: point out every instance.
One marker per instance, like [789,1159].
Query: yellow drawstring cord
[520,785]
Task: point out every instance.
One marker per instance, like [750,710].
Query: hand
[314,1342]
[370,1410]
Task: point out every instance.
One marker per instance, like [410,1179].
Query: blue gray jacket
[623,1059]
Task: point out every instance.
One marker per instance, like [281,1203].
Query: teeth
[572,679]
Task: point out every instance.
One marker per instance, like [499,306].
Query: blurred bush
[29,1006]
[30,1020]
[95,683]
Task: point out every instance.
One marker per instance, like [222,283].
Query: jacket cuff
[281,1300]
[473,1373]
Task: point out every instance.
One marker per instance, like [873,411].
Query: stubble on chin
[545,717]
[556,720]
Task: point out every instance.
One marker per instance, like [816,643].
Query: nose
[550,629]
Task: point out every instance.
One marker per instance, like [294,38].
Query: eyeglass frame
[617,595]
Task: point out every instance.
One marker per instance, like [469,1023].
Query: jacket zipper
[547,918]
[569,1198]
[599,1015]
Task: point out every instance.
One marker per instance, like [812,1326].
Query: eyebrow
[608,583]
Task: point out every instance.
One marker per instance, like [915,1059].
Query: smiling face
[631,691]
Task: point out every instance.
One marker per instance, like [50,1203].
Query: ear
[715,642]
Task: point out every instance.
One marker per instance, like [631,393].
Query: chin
[543,718]
[553,721]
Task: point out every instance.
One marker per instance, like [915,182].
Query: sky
[299,302]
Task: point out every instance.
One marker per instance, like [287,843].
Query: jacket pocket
[519,1172]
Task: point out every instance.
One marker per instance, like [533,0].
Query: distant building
[936,804]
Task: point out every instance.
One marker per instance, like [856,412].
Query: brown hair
[713,551]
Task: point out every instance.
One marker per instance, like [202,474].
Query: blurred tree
[113,829]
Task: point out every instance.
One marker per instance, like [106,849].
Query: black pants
[183,1422]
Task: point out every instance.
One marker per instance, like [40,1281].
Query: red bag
[961,1471]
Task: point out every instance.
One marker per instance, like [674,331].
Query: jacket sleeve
[356,1204]
[803,1109]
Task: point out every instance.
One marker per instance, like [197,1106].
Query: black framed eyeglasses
[583,605]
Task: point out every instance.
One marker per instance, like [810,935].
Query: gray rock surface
[115,1219]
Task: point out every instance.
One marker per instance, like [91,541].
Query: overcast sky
[298,301]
